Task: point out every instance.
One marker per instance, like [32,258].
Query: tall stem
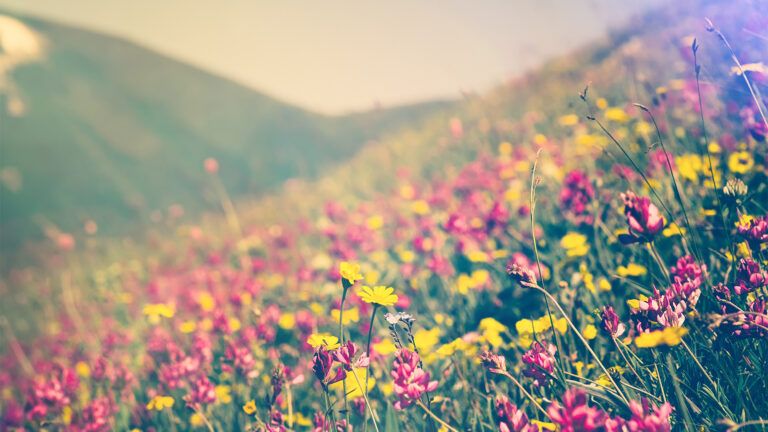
[364,391]
[368,354]
[584,341]
[434,416]
[341,342]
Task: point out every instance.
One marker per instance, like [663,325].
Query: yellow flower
[250,407]
[351,315]
[427,339]
[631,269]
[83,369]
[616,114]
[155,311]
[187,327]
[601,103]
[740,162]
[545,425]
[223,394]
[466,282]
[689,166]
[635,303]
[379,295]
[568,120]
[505,149]
[673,229]
[420,207]
[287,321]
[456,345]
[750,67]
[353,390]
[159,403]
[374,222]
[196,420]
[589,332]
[66,415]
[575,244]
[385,347]
[350,272]
[329,341]
[670,336]
[206,301]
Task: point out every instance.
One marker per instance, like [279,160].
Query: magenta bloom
[575,196]
[648,418]
[512,419]
[495,363]
[409,379]
[322,365]
[611,323]
[540,361]
[574,415]
[346,356]
[202,392]
[755,232]
[643,217]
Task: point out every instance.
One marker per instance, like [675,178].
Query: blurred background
[108,110]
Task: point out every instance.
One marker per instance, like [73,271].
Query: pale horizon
[334,58]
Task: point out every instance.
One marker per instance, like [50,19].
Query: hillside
[112,131]
[541,257]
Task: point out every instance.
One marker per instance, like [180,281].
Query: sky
[335,56]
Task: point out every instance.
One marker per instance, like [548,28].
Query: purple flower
[540,361]
[643,218]
[512,419]
[409,379]
[574,415]
[611,323]
[495,363]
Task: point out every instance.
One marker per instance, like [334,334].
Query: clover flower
[611,323]
[322,364]
[345,355]
[495,363]
[573,414]
[576,196]
[643,218]
[754,231]
[410,381]
[540,362]
[510,418]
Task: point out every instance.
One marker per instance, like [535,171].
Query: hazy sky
[335,56]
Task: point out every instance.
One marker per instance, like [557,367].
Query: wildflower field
[582,249]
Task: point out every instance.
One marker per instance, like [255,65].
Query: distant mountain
[92,126]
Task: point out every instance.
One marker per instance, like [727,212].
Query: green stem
[341,343]
[584,341]
[525,392]
[364,391]
[435,417]
[368,353]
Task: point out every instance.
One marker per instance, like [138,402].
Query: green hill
[113,131]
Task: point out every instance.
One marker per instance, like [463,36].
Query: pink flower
[611,323]
[346,356]
[512,419]
[575,196]
[540,361]
[322,365]
[495,363]
[574,415]
[643,218]
[755,232]
[648,418]
[409,379]
[202,392]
